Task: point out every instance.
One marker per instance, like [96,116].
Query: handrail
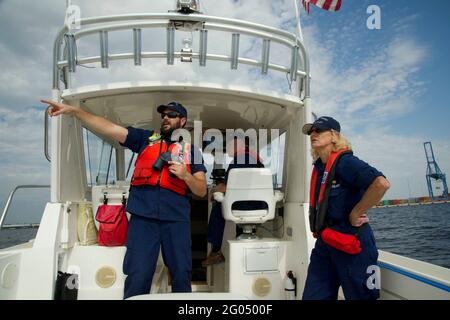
[184,17]
[21,226]
[197,22]
[47,155]
[216,57]
[8,202]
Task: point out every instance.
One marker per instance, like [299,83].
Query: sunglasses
[317,130]
[171,114]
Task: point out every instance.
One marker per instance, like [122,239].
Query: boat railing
[8,204]
[46,144]
[66,58]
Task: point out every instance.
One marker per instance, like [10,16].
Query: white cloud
[380,84]
[27,32]
[22,159]
[21,144]
[22,81]
[364,94]
[401,158]
[403,24]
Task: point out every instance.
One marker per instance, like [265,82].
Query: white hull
[27,271]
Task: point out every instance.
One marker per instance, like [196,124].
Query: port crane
[435,177]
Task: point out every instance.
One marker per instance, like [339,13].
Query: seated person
[243,157]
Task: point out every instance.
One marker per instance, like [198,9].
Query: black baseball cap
[175,106]
[324,123]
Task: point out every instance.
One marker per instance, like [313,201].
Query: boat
[254,268]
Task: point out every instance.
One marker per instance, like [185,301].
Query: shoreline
[413,204]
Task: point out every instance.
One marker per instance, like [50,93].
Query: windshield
[100,160]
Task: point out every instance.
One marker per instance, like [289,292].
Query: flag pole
[299,26]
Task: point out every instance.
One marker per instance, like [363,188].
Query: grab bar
[21,226]
[11,195]
[47,155]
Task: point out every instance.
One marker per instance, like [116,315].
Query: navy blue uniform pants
[145,238]
[330,268]
[216,226]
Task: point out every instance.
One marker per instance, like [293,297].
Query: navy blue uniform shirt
[153,201]
[351,180]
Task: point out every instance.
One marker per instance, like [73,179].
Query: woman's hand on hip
[357,220]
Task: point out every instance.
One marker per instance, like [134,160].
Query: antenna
[299,26]
[434,174]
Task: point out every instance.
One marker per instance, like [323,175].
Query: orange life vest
[145,175]
[318,208]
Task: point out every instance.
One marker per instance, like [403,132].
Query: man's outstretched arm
[95,123]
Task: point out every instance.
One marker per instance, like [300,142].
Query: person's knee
[356,284]
[137,284]
[137,265]
[181,281]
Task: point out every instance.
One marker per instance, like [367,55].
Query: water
[420,232]
[11,237]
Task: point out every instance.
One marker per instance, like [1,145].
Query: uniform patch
[335,185]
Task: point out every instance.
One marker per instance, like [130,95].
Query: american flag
[329,5]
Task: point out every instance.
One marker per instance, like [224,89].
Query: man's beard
[168,132]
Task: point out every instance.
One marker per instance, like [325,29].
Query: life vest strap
[318,207]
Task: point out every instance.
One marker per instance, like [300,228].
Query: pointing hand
[58,108]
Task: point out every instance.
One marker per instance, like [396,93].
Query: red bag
[348,243]
[113,224]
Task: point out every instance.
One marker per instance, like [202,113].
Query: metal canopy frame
[66,58]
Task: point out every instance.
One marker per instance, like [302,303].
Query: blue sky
[432,27]
[388,87]
[425,22]
[413,43]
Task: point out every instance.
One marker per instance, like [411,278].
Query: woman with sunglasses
[342,189]
[158,202]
